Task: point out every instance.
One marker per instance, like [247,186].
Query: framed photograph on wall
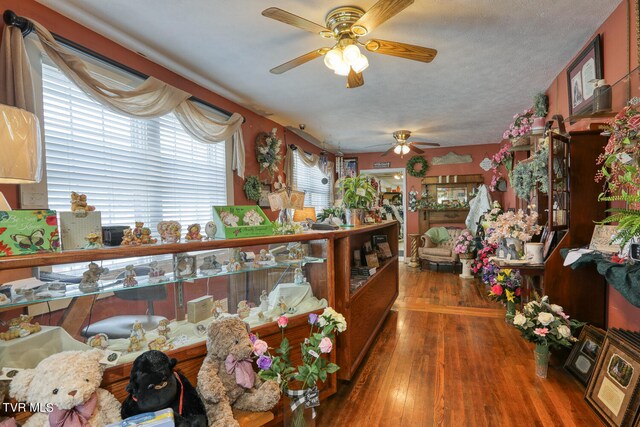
[263,202]
[613,389]
[586,67]
[351,166]
[585,352]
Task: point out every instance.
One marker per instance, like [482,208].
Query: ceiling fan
[345,25]
[402,146]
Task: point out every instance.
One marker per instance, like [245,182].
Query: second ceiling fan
[402,146]
[345,25]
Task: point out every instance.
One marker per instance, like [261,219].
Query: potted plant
[357,194]
[540,110]
[520,127]
[465,245]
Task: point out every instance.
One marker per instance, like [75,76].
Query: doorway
[392,199]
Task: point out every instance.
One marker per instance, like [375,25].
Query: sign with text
[381,165]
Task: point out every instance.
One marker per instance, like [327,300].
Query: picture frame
[350,166]
[263,202]
[586,67]
[601,239]
[584,353]
[548,244]
[613,390]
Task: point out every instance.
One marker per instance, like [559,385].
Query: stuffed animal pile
[226,378]
[70,381]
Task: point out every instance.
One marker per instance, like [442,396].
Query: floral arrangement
[502,157]
[506,286]
[287,228]
[314,368]
[546,324]
[464,244]
[496,210]
[481,262]
[516,225]
[268,152]
[521,125]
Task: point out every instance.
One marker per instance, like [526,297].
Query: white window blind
[309,180]
[144,170]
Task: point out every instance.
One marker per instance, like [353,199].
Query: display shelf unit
[365,309]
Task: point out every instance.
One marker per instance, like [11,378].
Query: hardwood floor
[445,357]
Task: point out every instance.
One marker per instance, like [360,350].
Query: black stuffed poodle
[154,385]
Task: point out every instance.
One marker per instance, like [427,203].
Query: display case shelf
[379,271]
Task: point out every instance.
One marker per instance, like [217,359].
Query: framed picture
[548,244]
[263,202]
[586,67]
[613,389]
[601,239]
[585,353]
[351,166]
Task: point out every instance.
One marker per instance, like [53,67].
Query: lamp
[401,149]
[301,215]
[342,59]
[20,146]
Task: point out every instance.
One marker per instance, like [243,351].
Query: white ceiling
[493,56]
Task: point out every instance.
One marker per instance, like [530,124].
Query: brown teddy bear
[226,378]
[79,203]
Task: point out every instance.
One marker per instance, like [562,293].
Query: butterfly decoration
[35,240]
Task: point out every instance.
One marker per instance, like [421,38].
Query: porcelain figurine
[156,274]
[98,341]
[217,309]
[90,277]
[296,253]
[210,265]
[137,231]
[264,301]
[94,241]
[79,203]
[243,309]
[229,219]
[129,277]
[193,233]
[170,231]
[233,266]
[298,277]
[265,255]
[186,266]
[134,344]
[163,328]
[282,306]
[138,330]
[210,229]
[252,218]
[129,239]
[20,327]
[145,237]
[160,344]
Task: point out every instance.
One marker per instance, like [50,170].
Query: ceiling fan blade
[415,149]
[380,13]
[299,60]
[402,50]
[354,79]
[295,20]
[387,152]
[426,144]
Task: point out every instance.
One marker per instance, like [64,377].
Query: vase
[533,253]
[285,216]
[353,217]
[511,312]
[537,127]
[299,417]
[541,354]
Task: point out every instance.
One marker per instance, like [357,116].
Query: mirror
[446,195]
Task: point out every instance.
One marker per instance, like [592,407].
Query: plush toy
[154,385]
[70,381]
[226,377]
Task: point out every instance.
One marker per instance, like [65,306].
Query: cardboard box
[74,226]
[225,232]
[25,232]
[199,309]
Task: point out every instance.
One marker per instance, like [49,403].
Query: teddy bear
[79,203]
[227,379]
[154,385]
[68,383]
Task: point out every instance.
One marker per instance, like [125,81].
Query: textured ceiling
[493,56]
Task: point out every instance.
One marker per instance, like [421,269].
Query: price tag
[314,354]
[110,358]
[312,397]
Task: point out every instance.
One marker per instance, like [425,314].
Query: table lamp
[301,215]
[20,146]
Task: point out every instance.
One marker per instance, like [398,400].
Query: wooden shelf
[378,272]
[527,147]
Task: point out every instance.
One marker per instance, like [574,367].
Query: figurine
[89,282]
[210,230]
[137,231]
[185,266]
[233,266]
[134,344]
[193,232]
[79,203]
[160,344]
[298,277]
[19,327]
[264,255]
[145,237]
[282,306]
[260,315]
[94,241]
[163,328]
[170,231]
[243,309]
[210,265]
[4,299]
[129,239]
[229,219]
[98,341]
[264,301]
[156,274]
[138,331]
[252,218]
[217,309]
[129,277]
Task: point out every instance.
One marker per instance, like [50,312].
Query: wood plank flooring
[445,357]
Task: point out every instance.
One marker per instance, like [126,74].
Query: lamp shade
[302,214]
[20,145]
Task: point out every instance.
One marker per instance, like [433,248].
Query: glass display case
[129,300]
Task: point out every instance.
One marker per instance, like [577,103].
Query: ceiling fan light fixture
[342,69]
[351,54]
[405,149]
[397,149]
[360,64]
[333,59]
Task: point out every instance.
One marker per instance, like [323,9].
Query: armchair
[439,253]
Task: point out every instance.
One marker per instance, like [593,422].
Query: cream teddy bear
[67,385]
[226,378]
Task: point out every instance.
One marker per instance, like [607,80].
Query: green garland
[252,188]
[411,163]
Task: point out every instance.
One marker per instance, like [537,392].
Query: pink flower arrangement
[502,157]
[517,225]
[521,125]
[541,331]
[464,244]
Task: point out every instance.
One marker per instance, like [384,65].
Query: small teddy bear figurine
[193,232]
[243,309]
[145,237]
[69,383]
[163,328]
[79,203]
[134,343]
[129,239]
[138,330]
[90,277]
[129,277]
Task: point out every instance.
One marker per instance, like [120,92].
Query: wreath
[411,166]
[268,152]
[252,188]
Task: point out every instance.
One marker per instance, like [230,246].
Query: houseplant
[357,194]
[540,109]
[546,325]
[520,127]
[299,383]
[531,173]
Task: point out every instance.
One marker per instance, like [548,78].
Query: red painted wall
[71,30]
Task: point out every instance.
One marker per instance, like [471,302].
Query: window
[310,180]
[130,169]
